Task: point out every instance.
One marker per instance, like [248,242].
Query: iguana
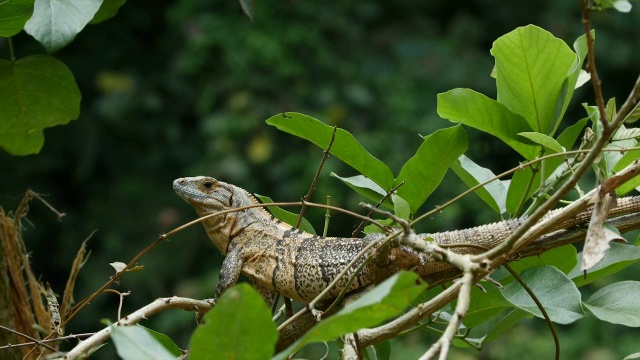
[280,259]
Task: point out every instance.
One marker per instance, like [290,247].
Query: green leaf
[564,258]
[624,161]
[617,303]
[366,187]
[286,216]
[575,78]
[531,68]
[385,301]
[36,92]
[165,341]
[383,350]
[566,139]
[633,115]
[424,171]
[618,257]
[484,306]
[494,193]
[623,6]
[558,294]
[485,114]
[136,343]
[13,15]
[544,140]
[522,186]
[56,23]
[504,324]
[401,207]
[238,327]
[108,9]
[345,146]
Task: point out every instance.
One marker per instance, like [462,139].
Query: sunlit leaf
[493,193]
[56,23]
[531,68]
[108,9]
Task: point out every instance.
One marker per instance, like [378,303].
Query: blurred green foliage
[183,88]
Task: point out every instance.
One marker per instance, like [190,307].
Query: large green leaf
[485,114]
[494,193]
[531,67]
[617,303]
[424,171]
[558,294]
[575,78]
[345,146]
[385,301]
[238,327]
[13,15]
[508,321]
[36,92]
[56,23]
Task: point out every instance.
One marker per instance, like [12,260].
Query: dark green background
[182,88]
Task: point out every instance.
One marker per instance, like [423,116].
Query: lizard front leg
[229,273]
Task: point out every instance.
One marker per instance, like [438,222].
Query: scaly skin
[279,259]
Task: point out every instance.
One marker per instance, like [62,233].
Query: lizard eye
[208,185]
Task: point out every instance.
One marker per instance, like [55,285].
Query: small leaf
[617,303]
[119,266]
[165,341]
[135,343]
[108,9]
[558,294]
[13,15]
[56,23]
[633,115]
[493,193]
[36,92]
[385,301]
[544,140]
[424,171]
[625,134]
[366,187]
[521,187]
[598,236]
[239,327]
[248,6]
[583,77]
[286,216]
[345,146]
[401,207]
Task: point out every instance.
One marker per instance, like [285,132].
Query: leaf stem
[12,55]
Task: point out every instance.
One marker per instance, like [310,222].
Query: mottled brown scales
[279,259]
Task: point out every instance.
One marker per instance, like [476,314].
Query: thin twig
[385,197]
[315,178]
[595,80]
[34,340]
[535,299]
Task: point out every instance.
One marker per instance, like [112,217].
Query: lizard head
[206,194]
